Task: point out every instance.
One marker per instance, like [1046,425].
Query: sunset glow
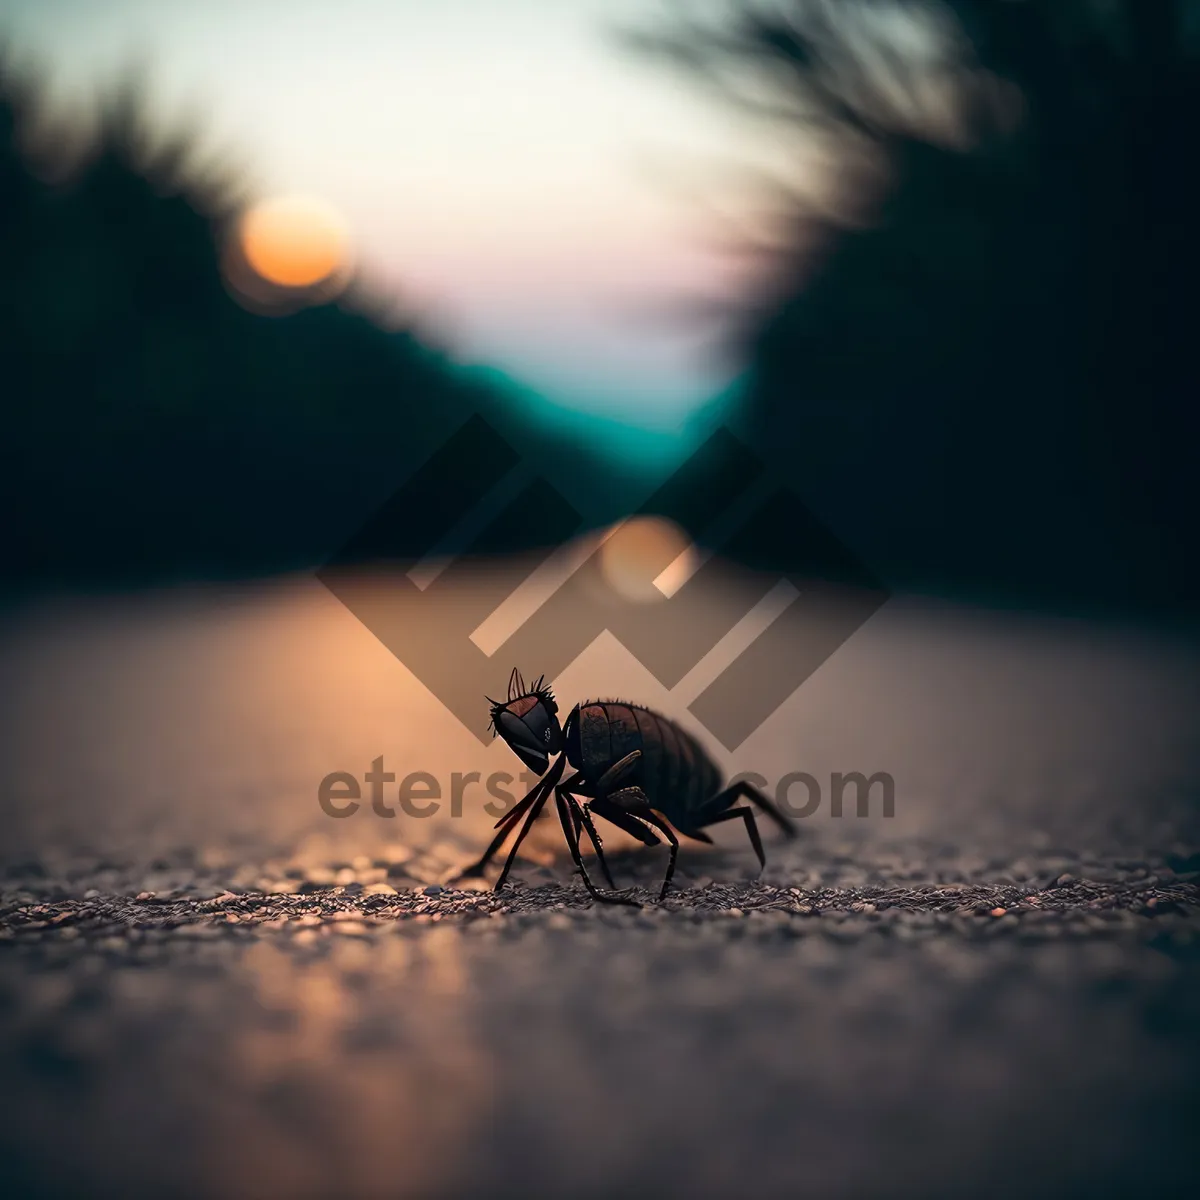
[508,171]
[294,241]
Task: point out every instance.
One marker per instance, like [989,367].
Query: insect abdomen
[675,771]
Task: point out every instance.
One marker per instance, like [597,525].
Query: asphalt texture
[208,988]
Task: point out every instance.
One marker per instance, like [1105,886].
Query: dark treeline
[986,380]
[975,363]
[152,427]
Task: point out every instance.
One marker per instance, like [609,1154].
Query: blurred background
[934,260]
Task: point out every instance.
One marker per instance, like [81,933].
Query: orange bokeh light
[647,558]
[294,241]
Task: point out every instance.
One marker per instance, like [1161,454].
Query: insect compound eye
[517,733]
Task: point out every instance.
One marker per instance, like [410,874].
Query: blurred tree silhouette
[983,376]
[153,427]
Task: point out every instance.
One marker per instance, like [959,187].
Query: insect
[635,768]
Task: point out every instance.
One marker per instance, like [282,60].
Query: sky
[500,164]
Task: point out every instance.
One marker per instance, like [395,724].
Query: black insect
[635,768]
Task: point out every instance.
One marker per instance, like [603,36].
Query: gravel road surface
[209,988]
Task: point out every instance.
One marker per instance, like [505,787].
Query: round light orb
[646,559]
[294,241]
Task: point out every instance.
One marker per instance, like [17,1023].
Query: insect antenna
[544,693]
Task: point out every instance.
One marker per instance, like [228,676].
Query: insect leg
[615,772]
[582,817]
[477,868]
[542,789]
[566,813]
[649,815]
[743,789]
[603,807]
[580,820]
[506,825]
[534,812]
[628,809]
[747,815]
